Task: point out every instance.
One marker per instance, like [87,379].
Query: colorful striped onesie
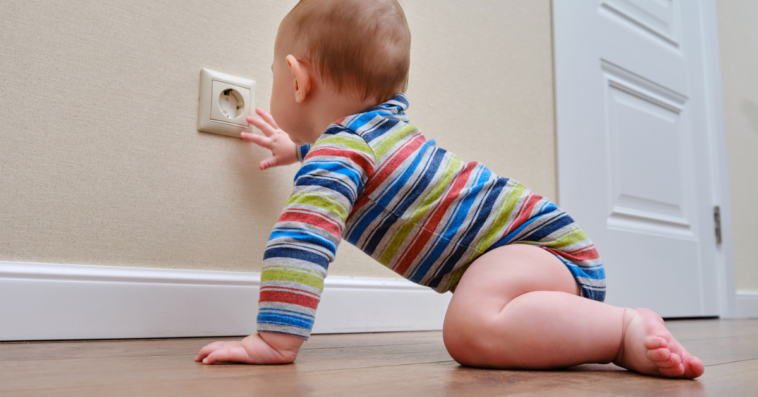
[374,180]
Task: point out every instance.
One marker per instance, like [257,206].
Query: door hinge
[717,223]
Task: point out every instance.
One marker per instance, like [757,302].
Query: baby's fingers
[267,116]
[237,354]
[262,125]
[210,348]
[257,139]
[269,162]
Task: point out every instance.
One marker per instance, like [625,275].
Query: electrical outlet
[225,102]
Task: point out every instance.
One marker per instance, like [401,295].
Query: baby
[527,282]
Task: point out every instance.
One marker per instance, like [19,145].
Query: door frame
[727,291]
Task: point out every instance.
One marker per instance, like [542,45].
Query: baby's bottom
[518,306]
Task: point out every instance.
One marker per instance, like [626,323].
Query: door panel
[647,174]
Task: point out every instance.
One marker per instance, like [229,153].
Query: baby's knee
[497,339]
[462,346]
[472,343]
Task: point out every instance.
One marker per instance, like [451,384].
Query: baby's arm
[305,238]
[301,246]
[262,347]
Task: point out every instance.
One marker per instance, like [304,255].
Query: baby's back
[426,214]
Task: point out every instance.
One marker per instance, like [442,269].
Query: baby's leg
[518,306]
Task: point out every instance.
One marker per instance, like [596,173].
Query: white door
[633,154]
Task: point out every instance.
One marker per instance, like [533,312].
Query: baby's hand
[283,150]
[260,348]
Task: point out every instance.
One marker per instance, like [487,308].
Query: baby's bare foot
[649,348]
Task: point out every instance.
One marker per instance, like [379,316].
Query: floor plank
[687,330]
[398,364]
[724,350]
[444,378]
[22,351]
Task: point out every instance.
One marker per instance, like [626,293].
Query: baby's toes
[673,362]
[661,354]
[673,372]
[666,364]
[654,342]
[693,367]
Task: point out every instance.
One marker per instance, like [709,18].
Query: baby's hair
[357,46]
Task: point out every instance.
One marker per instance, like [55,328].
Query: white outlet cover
[225,102]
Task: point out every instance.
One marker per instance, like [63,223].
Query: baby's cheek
[279,113]
[285,118]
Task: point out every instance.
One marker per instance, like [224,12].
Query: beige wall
[101,162]
[738,38]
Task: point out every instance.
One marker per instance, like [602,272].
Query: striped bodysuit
[374,180]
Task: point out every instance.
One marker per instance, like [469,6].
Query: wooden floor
[389,364]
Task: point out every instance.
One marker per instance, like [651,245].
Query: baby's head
[329,54]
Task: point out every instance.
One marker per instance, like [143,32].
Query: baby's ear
[302,80]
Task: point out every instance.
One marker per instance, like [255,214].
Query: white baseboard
[747,304]
[52,302]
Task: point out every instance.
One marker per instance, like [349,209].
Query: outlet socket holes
[231,103]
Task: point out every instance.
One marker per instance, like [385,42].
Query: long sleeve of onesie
[305,238]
